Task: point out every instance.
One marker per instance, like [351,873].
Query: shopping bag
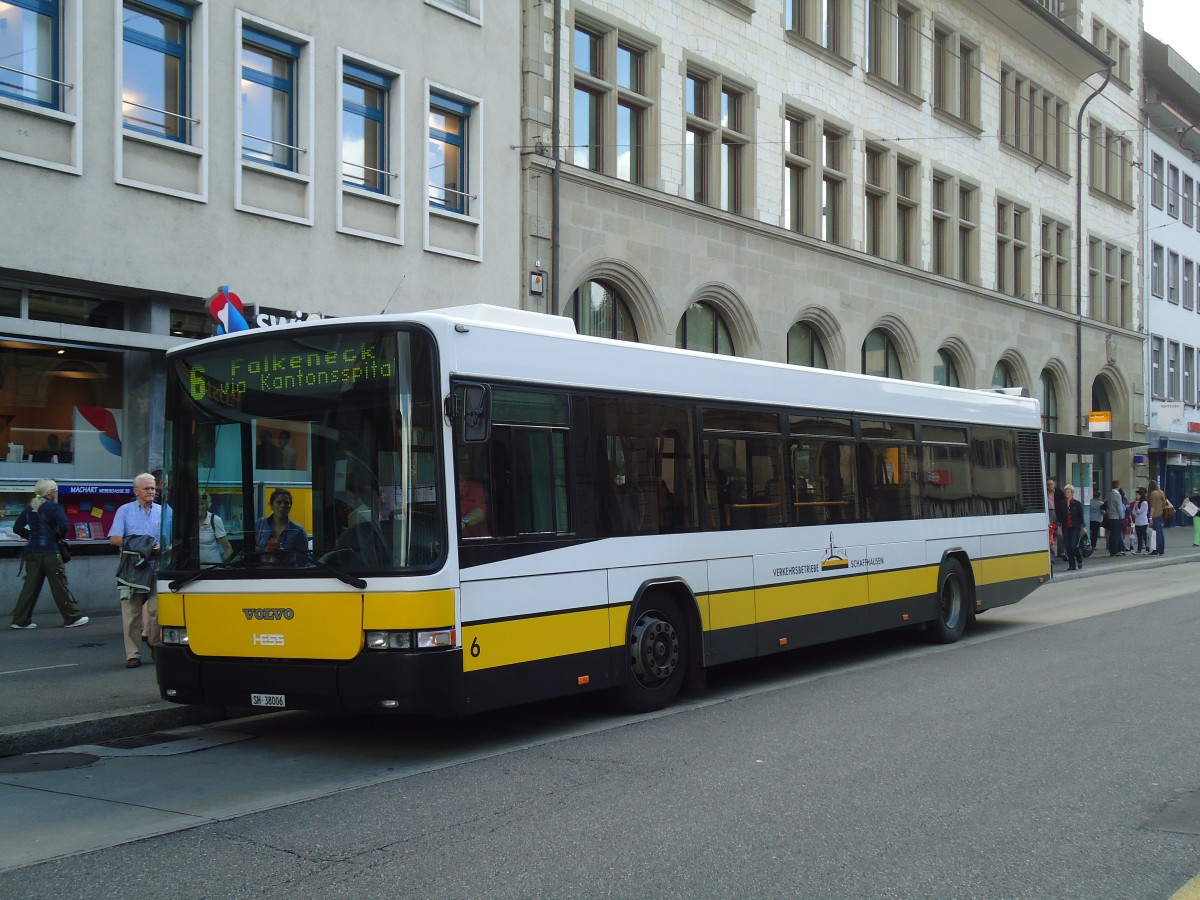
[1189,508]
[1153,536]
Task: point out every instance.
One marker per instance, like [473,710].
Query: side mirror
[476,413]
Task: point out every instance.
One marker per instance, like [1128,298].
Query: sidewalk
[1179,550]
[64,686]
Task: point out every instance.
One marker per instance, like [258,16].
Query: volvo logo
[281,613]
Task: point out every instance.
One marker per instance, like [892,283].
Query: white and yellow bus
[488,509]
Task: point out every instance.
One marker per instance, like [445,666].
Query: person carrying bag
[44,525]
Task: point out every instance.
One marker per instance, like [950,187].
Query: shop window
[60,406]
[69,310]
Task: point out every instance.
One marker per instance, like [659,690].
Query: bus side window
[676,511]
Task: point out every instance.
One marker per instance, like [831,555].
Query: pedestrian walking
[135,531]
[43,524]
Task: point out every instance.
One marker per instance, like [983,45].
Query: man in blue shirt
[140,517]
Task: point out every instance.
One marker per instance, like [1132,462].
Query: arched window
[703,328]
[804,347]
[1049,398]
[880,356]
[599,310]
[945,371]
[1002,376]
[1101,402]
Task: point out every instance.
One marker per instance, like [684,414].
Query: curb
[54,734]
[1106,568]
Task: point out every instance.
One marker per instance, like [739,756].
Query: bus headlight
[174,635]
[389,640]
[427,640]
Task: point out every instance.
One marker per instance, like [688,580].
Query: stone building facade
[944,190]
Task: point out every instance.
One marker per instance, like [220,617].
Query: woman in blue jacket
[43,523]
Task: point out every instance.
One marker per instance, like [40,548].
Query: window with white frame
[1110,170]
[1172,192]
[366,127]
[1157,264]
[449,154]
[1125,289]
[821,22]
[155,77]
[1056,259]
[611,102]
[876,197]
[1115,46]
[1012,249]
[1172,277]
[717,151]
[269,87]
[1172,370]
[894,43]
[1156,180]
[1187,285]
[955,237]
[1187,201]
[1095,278]
[1189,374]
[30,40]
[955,75]
[1033,120]
[834,153]
[798,165]
[1157,380]
[891,205]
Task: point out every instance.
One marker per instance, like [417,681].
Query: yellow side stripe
[512,641]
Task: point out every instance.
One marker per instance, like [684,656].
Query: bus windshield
[314,448]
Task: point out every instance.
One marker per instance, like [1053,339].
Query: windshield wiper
[179,583]
[344,577]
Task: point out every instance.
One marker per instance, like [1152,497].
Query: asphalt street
[1050,754]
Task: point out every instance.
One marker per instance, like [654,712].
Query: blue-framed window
[154,93]
[449,128]
[30,54]
[269,67]
[365,99]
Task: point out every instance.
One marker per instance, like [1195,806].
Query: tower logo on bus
[835,557]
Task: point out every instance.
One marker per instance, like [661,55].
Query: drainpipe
[556,172]
[1079,251]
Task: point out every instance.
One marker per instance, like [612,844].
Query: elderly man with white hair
[135,530]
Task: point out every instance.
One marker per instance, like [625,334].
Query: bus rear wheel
[656,654]
[953,606]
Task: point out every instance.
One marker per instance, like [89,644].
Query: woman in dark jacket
[1071,523]
[43,523]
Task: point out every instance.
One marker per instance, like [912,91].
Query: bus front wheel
[953,605]
[656,654]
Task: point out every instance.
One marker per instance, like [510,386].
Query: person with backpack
[43,524]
